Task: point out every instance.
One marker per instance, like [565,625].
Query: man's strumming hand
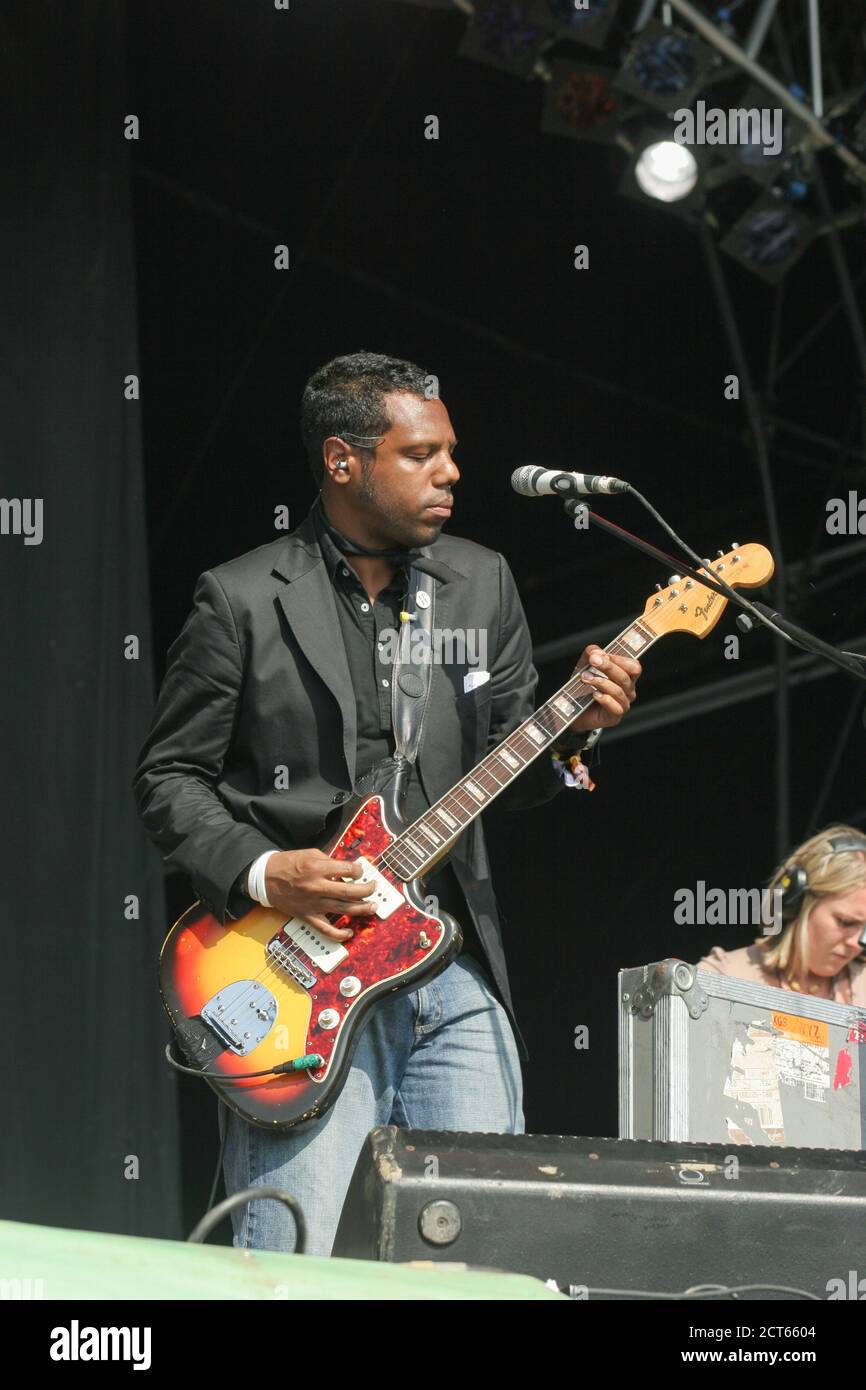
[306,883]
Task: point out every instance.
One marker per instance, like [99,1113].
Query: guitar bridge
[241,1015]
[281,954]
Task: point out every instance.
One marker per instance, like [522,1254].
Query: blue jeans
[442,1057]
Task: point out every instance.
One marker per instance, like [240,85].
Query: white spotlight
[666,171]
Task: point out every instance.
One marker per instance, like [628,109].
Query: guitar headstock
[686,606]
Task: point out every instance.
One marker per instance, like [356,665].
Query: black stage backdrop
[90,1113]
[305,127]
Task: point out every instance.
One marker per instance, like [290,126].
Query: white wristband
[256,878]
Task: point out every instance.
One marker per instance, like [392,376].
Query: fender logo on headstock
[705,611]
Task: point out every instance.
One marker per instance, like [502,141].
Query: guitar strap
[411,678]
[413,670]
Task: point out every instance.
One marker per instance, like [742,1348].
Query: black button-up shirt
[368,634]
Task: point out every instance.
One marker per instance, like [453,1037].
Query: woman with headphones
[821,891]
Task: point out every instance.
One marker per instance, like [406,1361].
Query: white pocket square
[473,679]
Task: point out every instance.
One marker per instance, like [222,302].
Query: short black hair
[345,397]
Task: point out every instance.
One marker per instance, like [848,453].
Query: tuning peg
[675,579]
[719,554]
[744,622]
[735,545]
[658,588]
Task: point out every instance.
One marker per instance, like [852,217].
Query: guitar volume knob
[350,986]
[328,1018]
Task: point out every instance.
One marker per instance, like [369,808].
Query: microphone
[543,482]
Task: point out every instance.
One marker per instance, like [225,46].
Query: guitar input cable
[312,1061]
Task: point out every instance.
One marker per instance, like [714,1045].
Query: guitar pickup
[386,897]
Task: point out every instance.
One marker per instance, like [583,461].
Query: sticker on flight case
[752,1087]
[809,1030]
[844,1073]
[803,1054]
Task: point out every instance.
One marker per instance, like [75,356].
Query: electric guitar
[269,1010]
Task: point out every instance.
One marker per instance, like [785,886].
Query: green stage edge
[75,1265]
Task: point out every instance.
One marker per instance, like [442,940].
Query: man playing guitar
[277,701]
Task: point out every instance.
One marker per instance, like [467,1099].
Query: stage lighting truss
[640,99]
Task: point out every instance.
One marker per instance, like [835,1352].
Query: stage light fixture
[665,67]
[758,126]
[769,238]
[589,24]
[582,103]
[662,171]
[666,171]
[505,34]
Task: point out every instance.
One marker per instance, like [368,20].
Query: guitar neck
[415,851]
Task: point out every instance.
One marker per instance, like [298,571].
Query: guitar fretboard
[413,852]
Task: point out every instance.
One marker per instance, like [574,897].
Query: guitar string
[578,697]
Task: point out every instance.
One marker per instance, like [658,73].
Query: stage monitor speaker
[611,1213]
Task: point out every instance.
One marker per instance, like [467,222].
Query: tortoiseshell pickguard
[381,948]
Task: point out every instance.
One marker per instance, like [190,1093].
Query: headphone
[794,882]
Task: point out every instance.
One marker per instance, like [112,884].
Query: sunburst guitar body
[264,992]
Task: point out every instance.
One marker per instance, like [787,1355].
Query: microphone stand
[766,617]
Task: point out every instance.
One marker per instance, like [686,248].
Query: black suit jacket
[258,680]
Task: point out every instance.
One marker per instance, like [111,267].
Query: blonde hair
[829,874]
